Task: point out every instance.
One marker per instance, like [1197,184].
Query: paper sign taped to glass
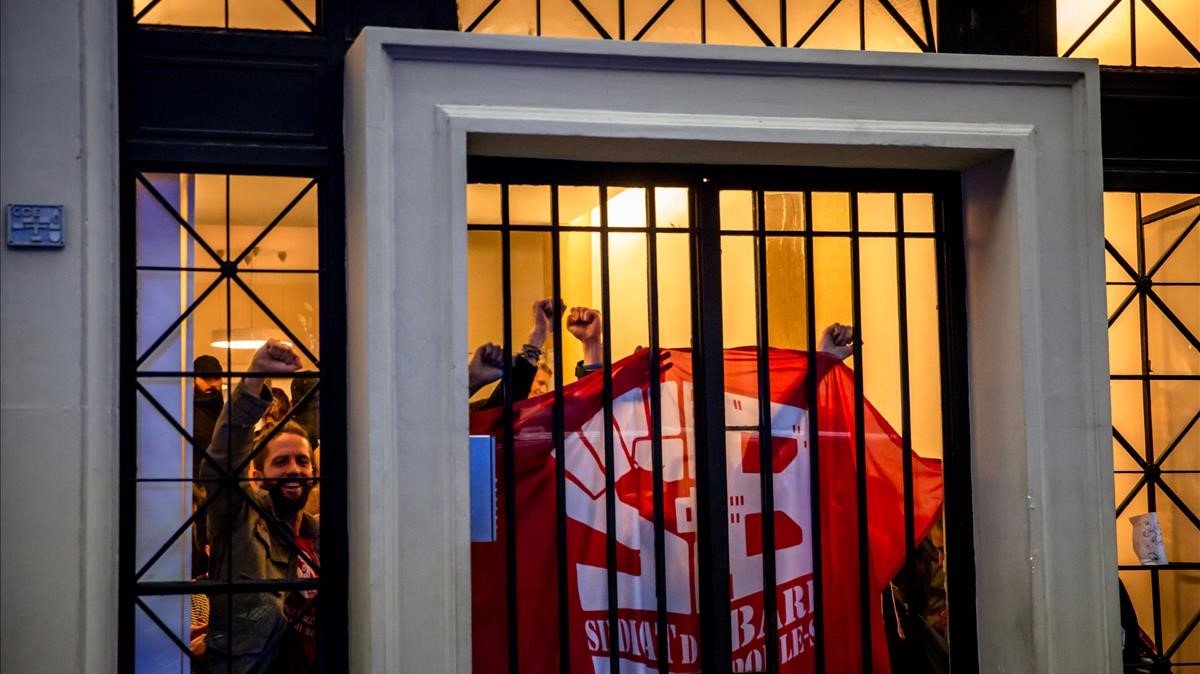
[589,640]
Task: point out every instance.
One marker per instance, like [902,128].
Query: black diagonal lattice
[1138,275]
[227,271]
[229,480]
[309,24]
[1154,9]
[921,36]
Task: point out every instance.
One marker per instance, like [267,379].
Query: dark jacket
[246,546]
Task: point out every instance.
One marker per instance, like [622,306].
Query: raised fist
[587,325]
[275,357]
[838,340]
[543,321]
[487,365]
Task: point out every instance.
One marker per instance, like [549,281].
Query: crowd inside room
[626,253]
[226,265]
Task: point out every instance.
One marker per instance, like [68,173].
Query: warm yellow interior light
[240,339]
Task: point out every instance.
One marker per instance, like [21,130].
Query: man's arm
[234,431]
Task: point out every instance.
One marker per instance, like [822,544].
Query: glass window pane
[483,204]
[579,206]
[672,209]
[674,291]
[808,23]
[737,209]
[628,293]
[739,311]
[1098,29]
[529,205]
[784,211]
[292,16]
[626,207]
[787,314]
[876,212]
[193,319]
[831,211]
[924,346]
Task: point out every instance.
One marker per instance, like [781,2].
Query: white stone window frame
[1024,132]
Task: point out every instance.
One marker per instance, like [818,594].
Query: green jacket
[246,546]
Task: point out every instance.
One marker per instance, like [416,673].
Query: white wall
[58,313]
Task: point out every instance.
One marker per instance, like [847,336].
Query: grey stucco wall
[58,342]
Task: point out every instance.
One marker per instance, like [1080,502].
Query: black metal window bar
[706,236]
[714,21]
[1154,292]
[163,602]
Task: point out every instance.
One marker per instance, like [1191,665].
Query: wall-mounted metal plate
[35,226]
[483,488]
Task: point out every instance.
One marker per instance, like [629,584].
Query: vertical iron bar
[709,382]
[860,443]
[766,455]
[1144,345]
[610,501]
[862,32]
[1156,601]
[1147,412]
[656,450]
[703,21]
[510,481]
[783,38]
[229,428]
[1133,62]
[560,445]
[333,608]
[814,436]
[621,19]
[956,426]
[538,11]
[909,578]
[128,420]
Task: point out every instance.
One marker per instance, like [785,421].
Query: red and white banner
[589,639]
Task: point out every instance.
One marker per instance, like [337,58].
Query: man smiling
[262,533]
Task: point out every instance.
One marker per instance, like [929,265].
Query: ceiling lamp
[238,339]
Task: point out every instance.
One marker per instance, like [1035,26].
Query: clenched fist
[274,357]
[487,365]
[838,340]
[587,325]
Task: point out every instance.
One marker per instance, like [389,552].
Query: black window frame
[706,182]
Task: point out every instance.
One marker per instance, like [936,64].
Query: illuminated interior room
[379,189]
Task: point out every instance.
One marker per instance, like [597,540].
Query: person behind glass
[262,631]
[587,325]
[207,401]
[487,363]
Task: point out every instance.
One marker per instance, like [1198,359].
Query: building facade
[224,179]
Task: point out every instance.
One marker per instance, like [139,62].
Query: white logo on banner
[632,472]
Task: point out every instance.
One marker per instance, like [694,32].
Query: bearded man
[263,532]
